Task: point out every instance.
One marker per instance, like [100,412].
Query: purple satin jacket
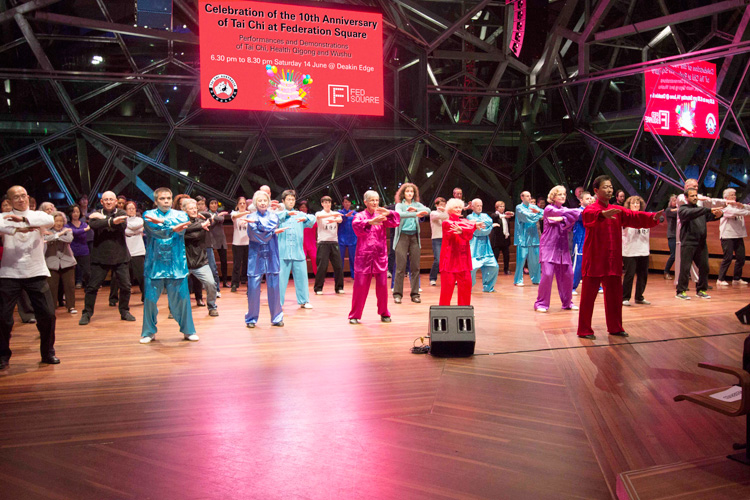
[372,242]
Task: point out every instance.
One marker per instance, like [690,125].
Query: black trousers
[697,254]
[121,273]
[39,294]
[634,267]
[506,255]
[736,247]
[239,263]
[328,251]
[83,269]
[223,259]
[136,274]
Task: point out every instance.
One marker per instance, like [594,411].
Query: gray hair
[370,194]
[45,204]
[185,202]
[60,214]
[258,194]
[728,191]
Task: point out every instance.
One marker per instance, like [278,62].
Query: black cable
[422,349]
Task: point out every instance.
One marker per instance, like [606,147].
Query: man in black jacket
[110,253]
[196,235]
[693,246]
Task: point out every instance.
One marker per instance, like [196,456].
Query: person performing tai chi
[406,241]
[347,237]
[455,255]
[554,251]
[482,256]
[110,253]
[328,247]
[602,256]
[579,234]
[166,266]
[693,247]
[263,259]
[500,237]
[291,249]
[197,249]
[732,233]
[371,226]
[437,217]
[526,239]
[23,268]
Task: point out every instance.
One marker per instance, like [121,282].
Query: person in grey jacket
[693,246]
[60,260]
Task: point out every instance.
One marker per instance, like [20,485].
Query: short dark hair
[326,198]
[288,192]
[598,181]
[439,200]
[213,200]
[200,198]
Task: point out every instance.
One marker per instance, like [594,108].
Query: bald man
[110,253]
[23,268]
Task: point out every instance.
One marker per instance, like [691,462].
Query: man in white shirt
[328,247]
[732,232]
[437,217]
[23,268]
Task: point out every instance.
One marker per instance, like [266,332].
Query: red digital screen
[680,100]
[290,58]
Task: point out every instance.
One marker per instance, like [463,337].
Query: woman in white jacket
[60,260]
[136,247]
[635,252]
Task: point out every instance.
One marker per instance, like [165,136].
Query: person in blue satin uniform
[526,239]
[263,258]
[579,234]
[291,249]
[347,236]
[482,256]
[166,266]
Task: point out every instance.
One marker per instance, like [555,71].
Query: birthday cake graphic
[287,89]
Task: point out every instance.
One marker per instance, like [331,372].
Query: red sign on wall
[680,100]
[285,57]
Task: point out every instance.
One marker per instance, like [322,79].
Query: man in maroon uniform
[602,256]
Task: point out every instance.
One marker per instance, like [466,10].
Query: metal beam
[459,24]
[123,29]
[676,18]
[25,8]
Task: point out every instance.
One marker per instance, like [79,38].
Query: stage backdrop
[288,57]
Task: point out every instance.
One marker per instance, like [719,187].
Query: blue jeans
[436,244]
[212,266]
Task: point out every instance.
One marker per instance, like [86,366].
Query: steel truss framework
[460,111]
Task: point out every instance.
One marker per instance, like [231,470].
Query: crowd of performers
[48,253]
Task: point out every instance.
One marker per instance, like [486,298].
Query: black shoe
[112,303]
[385,319]
[590,336]
[126,316]
[51,360]
[4,363]
[507,273]
[416,299]
[280,323]
[620,334]
[234,288]
[85,319]
[200,303]
[226,285]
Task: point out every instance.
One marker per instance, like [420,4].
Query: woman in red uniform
[455,255]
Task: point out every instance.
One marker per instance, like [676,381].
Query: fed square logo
[338,95]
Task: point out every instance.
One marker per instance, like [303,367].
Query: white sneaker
[420,289]
[722,283]
[572,308]
[601,290]
[306,305]
[518,284]
[146,340]
[541,309]
[192,338]
[575,292]
[340,292]
[433,283]
[626,302]
[739,282]
[73,310]
[218,294]
[319,293]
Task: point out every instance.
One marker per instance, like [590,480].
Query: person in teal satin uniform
[291,249]
[166,266]
[482,256]
[263,258]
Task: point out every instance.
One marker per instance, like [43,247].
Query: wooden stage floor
[324,409]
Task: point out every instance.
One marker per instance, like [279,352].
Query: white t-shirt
[732,224]
[134,237]
[23,253]
[239,236]
[635,242]
[329,231]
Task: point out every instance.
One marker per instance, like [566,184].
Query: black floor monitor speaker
[452,331]
[744,315]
